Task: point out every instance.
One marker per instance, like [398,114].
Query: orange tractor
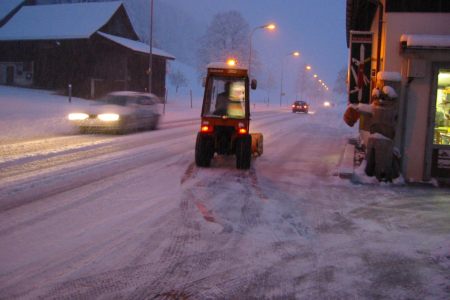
[226,117]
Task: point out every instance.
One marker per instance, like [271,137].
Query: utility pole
[150,70]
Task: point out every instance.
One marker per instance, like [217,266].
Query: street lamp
[295,54]
[269,26]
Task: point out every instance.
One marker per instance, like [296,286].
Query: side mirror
[204,82]
[253,84]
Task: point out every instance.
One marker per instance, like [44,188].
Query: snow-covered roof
[6,6]
[61,21]
[136,45]
[425,40]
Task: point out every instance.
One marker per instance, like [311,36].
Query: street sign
[359,87]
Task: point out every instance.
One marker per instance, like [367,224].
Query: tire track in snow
[59,157]
[170,277]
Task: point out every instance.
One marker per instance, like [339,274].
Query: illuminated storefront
[412,39]
[440,148]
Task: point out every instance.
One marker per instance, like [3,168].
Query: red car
[300,106]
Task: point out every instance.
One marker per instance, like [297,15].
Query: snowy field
[132,217]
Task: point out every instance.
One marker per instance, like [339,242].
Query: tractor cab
[225,116]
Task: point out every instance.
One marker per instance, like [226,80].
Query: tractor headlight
[108,117]
[77,116]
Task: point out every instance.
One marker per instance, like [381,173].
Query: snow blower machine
[225,117]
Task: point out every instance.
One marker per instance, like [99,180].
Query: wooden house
[91,46]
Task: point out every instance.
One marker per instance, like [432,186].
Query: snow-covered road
[102,216]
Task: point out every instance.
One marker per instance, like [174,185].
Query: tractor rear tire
[203,151]
[243,152]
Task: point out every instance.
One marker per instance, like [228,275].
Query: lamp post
[306,68]
[294,53]
[150,71]
[269,26]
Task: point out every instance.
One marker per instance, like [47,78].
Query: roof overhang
[359,15]
[135,46]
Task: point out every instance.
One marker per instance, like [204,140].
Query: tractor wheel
[203,151]
[243,152]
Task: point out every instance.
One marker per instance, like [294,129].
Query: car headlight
[77,116]
[108,117]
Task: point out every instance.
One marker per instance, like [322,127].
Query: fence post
[70,92]
[165,101]
[92,88]
[190,92]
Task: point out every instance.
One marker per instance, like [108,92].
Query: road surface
[132,217]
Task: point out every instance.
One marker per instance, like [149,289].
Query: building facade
[90,46]
[412,39]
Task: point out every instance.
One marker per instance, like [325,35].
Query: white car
[119,112]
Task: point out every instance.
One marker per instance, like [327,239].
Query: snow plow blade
[257,144]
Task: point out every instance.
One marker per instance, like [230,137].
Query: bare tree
[306,87]
[178,79]
[226,36]
[268,82]
[340,84]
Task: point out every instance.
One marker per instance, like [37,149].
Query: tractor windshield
[225,96]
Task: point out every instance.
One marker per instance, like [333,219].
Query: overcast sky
[314,27]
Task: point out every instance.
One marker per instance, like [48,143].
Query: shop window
[442,119]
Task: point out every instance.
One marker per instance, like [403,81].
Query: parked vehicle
[119,112]
[300,106]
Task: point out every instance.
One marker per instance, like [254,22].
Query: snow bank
[30,113]
[359,176]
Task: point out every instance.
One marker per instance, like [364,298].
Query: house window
[442,117]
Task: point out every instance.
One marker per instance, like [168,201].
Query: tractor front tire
[243,152]
[203,151]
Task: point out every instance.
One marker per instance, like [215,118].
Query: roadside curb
[346,166]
